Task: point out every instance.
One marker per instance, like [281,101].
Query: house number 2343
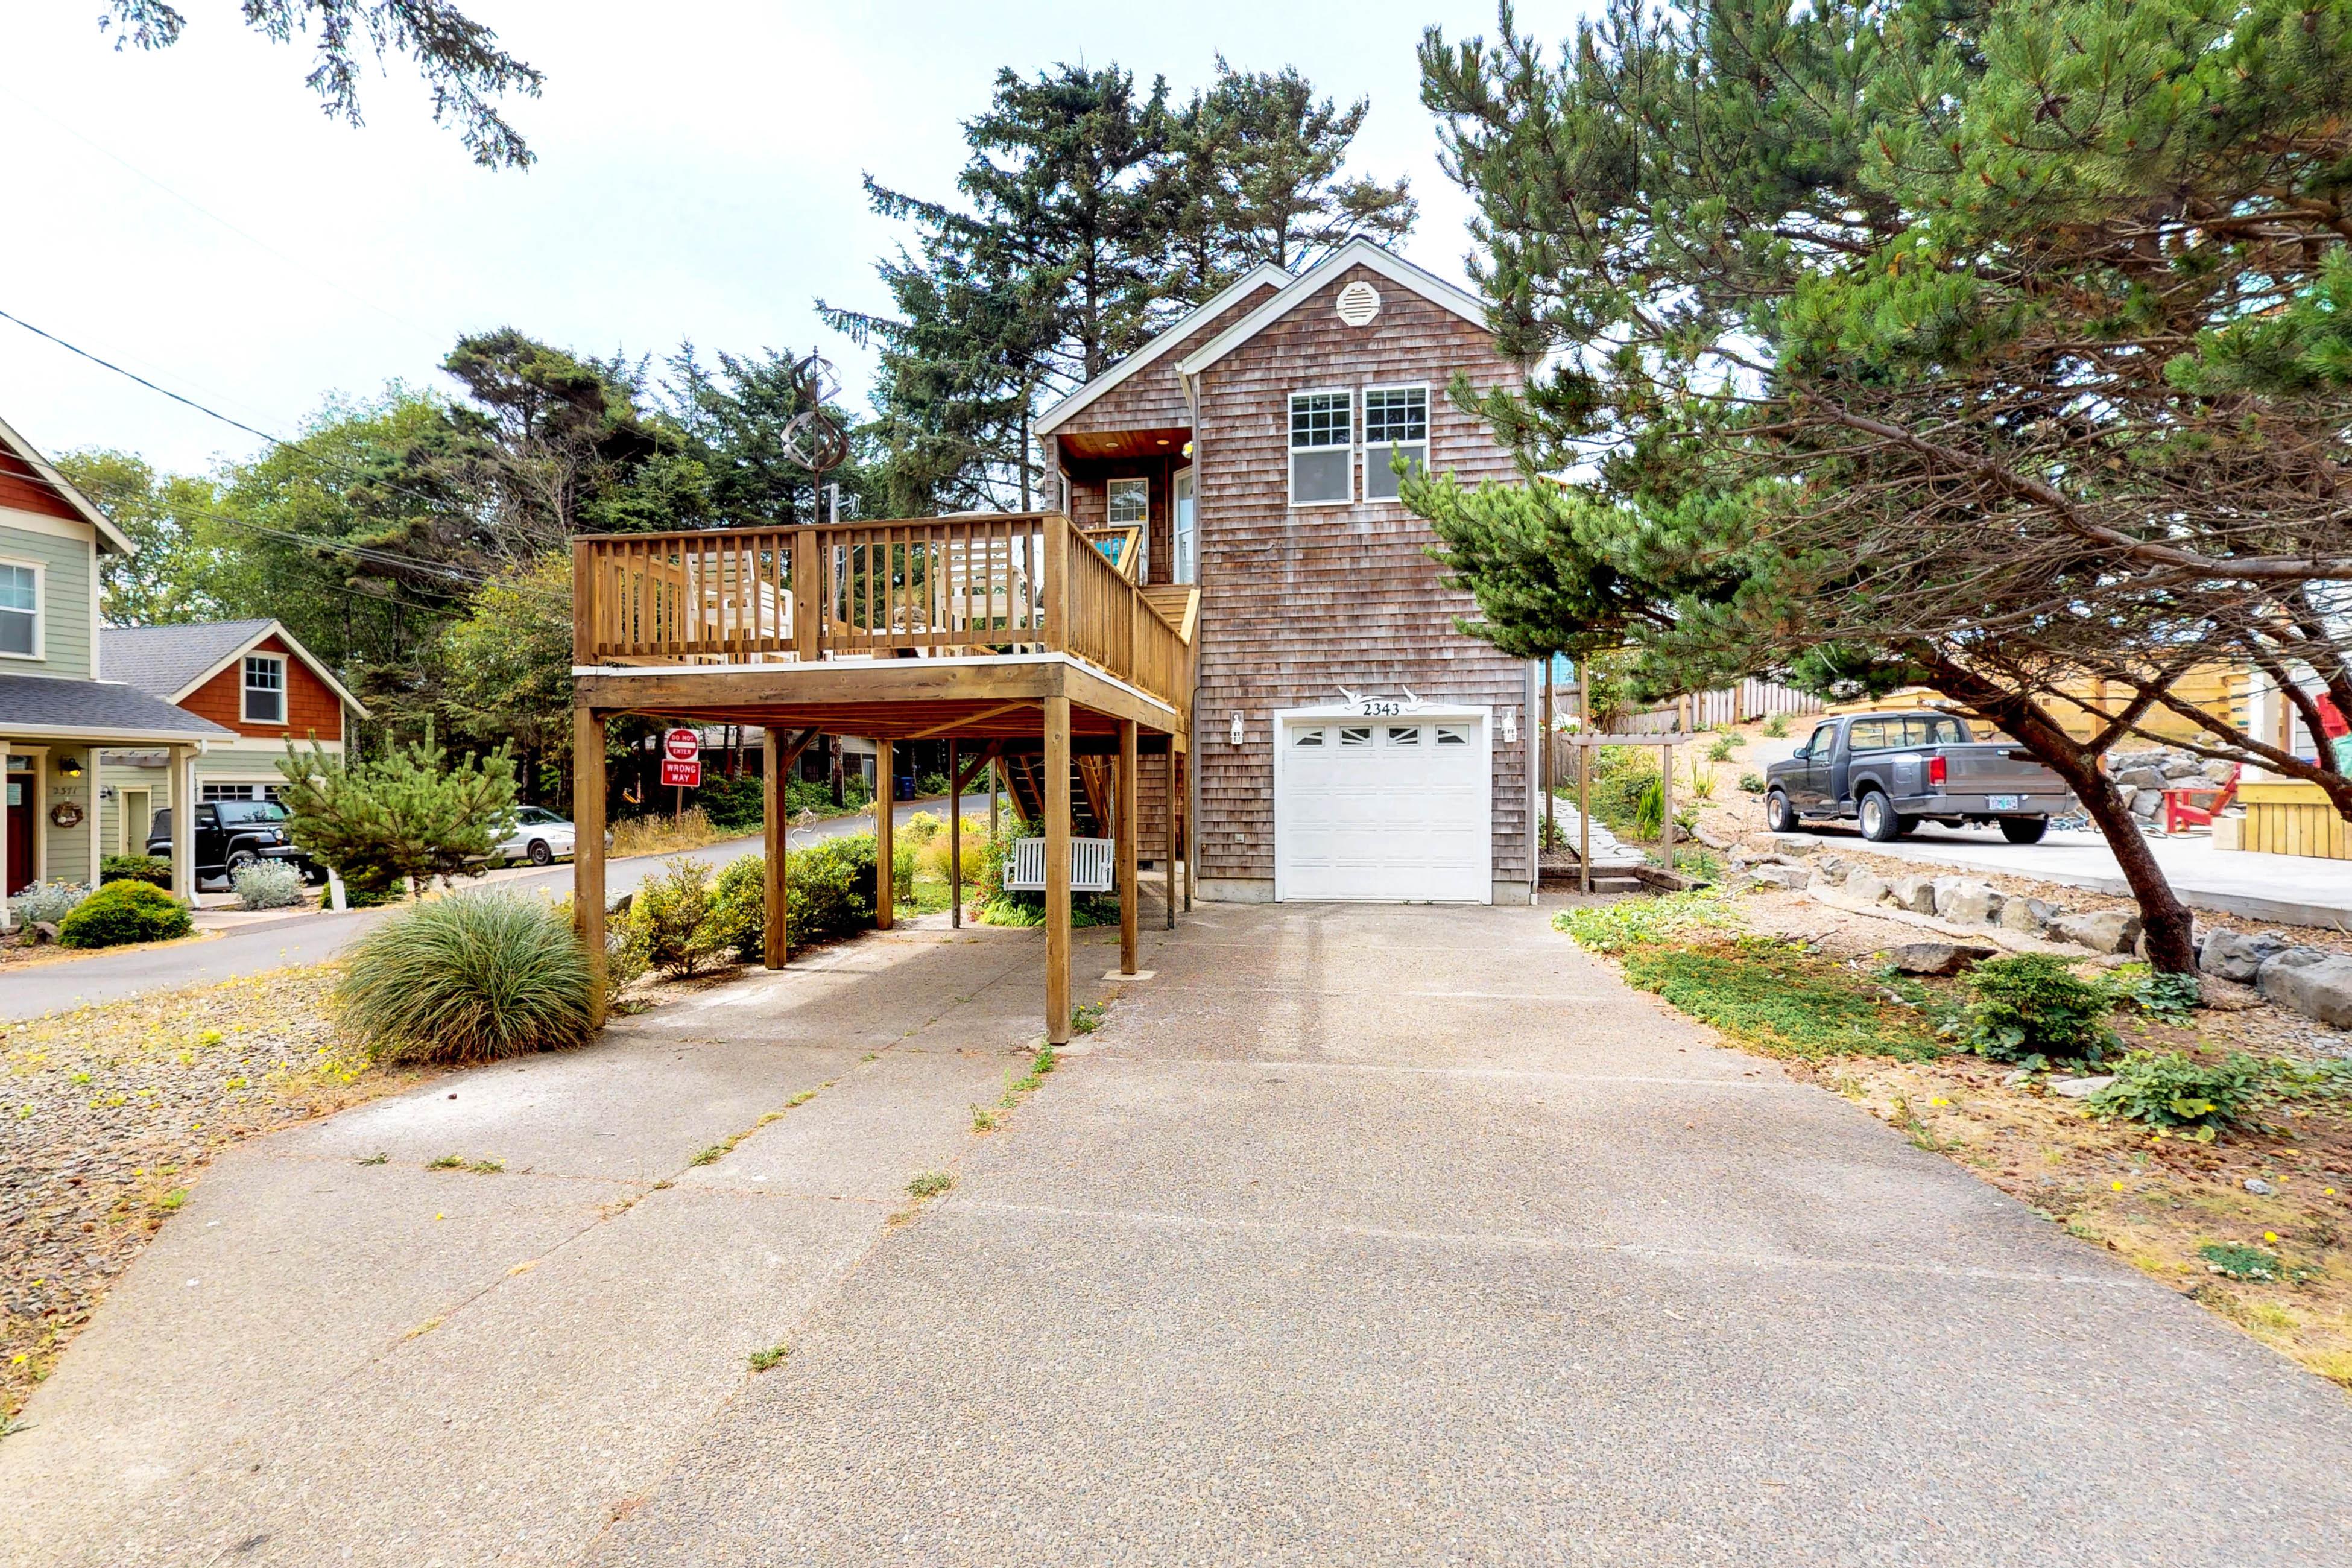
[1378,710]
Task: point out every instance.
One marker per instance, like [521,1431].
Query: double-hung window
[265,689]
[1130,501]
[20,611]
[1322,448]
[1396,422]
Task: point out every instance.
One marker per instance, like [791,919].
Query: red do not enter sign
[682,745]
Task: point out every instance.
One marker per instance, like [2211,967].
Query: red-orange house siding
[313,712]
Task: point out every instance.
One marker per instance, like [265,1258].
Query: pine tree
[410,814]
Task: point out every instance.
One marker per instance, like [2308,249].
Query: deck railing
[1010,583]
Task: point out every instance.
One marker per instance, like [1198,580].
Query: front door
[1186,567]
[23,801]
[1813,790]
[137,814]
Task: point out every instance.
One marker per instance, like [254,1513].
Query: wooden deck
[989,632]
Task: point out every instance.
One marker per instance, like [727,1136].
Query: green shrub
[266,885]
[674,919]
[734,806]
[48,902]
[1621,776]
[145,868]
[1720,752]
[122,912]
[1777,726]
[1752,783]
[2169,998]
[2031,1007]
[2179,1094]
[917,830]
[933,784]
[740,906]
[406,813]
[469,978]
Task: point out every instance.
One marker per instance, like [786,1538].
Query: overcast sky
[698,179]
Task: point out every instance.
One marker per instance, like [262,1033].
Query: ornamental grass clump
[469,978]
[2033,1008]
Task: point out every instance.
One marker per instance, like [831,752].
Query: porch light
[1237,727]
[69,768]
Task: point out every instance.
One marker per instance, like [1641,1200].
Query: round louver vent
[1358,303]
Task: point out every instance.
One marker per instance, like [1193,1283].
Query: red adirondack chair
[2182,810]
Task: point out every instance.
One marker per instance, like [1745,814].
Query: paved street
[36,989]
[1357,1235]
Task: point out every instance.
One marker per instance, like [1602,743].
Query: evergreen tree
[410,814]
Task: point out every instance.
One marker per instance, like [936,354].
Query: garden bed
[2252,1225]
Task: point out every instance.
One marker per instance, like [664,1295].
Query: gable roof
[170,662]
[105,713]
[1355,253]
[110,538]
[1265,275]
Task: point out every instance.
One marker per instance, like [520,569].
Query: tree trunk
[2165,919]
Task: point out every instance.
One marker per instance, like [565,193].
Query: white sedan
[539,837]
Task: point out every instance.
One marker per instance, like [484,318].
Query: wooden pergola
[995,634]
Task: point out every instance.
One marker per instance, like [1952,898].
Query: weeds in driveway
[446,1163]
[710,1156]
[773,1356]
[1086,1017]
[1637,923]
[984,1120]
[929,1183]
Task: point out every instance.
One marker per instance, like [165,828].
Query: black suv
[232,832]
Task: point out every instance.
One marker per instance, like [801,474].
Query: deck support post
[1129,892]
[776,896]
[1584,776]
[184,824]
[1168,864]
[886,806]
[955,834]
[1057,871]
[1666,803]
[588,845]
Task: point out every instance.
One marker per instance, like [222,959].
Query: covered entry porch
[1015,640]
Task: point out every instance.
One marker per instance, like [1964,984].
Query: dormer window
[1396,422]
[20,611]
[1322,448]
[265,689]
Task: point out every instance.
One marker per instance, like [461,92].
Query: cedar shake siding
[1298,604]
[312,711]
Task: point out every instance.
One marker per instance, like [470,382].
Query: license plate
[2003,802]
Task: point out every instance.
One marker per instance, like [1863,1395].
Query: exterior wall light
[1237,727]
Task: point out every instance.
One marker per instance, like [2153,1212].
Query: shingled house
[1348,742]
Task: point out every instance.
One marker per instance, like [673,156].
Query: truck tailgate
[1987,768]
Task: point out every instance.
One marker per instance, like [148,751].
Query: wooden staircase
[1093,789]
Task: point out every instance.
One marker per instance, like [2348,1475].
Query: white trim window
[1322,448]
[265,689]
[1127,503]
[1187,528]
[20,611]
[1396,420]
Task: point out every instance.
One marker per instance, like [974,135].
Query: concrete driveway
[1357,1236]
[36,989]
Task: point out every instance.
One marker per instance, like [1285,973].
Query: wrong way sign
[681,759]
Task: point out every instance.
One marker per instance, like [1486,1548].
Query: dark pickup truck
[229,834]
[1892,771]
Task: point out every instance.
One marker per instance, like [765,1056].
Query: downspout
[1193,835]
[1537,739]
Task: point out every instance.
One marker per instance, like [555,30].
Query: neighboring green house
[57,709]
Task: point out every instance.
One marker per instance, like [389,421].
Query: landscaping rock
[2218,772]
[2109,932]
[1937,957]
[1831,866]
[2182,766]
[2079,1088]
[2219,995]
[2032,915]
[38,933]
[1779,876]
[2260,1188]
[2146,803]
[1864,886]
[2126,793]
[1796,843]
[2312,981]
[2141,778]
[1961,899]
[1916,894]
[2229,956]
[2018,1079]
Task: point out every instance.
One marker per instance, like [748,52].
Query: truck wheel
[240,858]
[2024,829]
[1778,815]
[540,855]
[1881,822]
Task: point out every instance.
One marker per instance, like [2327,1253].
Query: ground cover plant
[122,912]
[266,885]
[47,902]
[472,977]
[2217,1162]
[2033,1007]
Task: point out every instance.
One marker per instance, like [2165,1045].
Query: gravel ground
[106,1114]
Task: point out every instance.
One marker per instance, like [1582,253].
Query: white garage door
[1384,809]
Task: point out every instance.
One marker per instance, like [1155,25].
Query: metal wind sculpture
[811,439]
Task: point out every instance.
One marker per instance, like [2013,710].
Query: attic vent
[1358,303]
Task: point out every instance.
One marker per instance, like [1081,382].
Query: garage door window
[1404,734]
[1453,735]
[1356,735]
[1305,737]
